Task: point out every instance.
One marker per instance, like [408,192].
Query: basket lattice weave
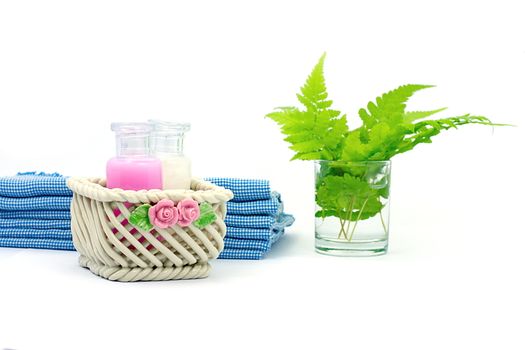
[114,249]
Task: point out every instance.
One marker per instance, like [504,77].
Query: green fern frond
[425,130]
[313,93]
[389,107]
[317,132]
[410,117]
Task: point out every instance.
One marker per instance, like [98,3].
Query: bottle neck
[167,144]
[133,145]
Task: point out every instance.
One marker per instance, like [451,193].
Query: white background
[454,275]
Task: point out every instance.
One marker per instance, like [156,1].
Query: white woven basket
[114,249]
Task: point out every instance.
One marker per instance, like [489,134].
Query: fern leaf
[283,115]
[313,93]
[410,117]
[390,106]
[425,130]
[317,132]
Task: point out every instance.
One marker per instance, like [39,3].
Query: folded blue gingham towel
[263,207]
[252,244]
[245,250]
[35,203]
[33,184]
[35,223]
[36,243]
[249,221]
[36,214]
[249,233]
[280,223]
[35,234]
[244,189]
[241,254]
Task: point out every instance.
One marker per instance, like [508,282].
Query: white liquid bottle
[167,140]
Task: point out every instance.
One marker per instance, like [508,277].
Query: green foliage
[207,215]
[139,217]
[317,132]
[347,197]
[410,117]
[423,131]
[389,107]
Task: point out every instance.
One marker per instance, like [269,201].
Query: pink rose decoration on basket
[164,214]
[188,212]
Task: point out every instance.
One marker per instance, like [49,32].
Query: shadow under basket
[114,249]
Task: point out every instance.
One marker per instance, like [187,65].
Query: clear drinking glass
[352,207]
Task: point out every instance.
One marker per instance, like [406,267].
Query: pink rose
[163,214]
[188,212]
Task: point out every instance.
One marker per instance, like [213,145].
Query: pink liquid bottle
[133,168]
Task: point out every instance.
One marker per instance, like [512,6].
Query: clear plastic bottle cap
[169,127]
[168,137]
[132,138]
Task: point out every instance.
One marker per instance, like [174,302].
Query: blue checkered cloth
[249,233]
[36,214]
[281,222]
[35,223]
[35,203]
[244,189]
[36,234]
[33,184]
[247,250]
[241,254]
[263,207]
[249,221]
[252,244]
[35,243]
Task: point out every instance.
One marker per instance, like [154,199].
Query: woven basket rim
[94,188]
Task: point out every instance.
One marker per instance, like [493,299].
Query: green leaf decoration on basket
[207,216]
[139,217]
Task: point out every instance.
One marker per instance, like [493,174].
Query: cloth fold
[35,224]
[36,234]
[244,189]
[249,221]
[37,243]
[241,254]
[36,203]
[33,184]
[252,244]
[262,207]
[36,214]
[281,222]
